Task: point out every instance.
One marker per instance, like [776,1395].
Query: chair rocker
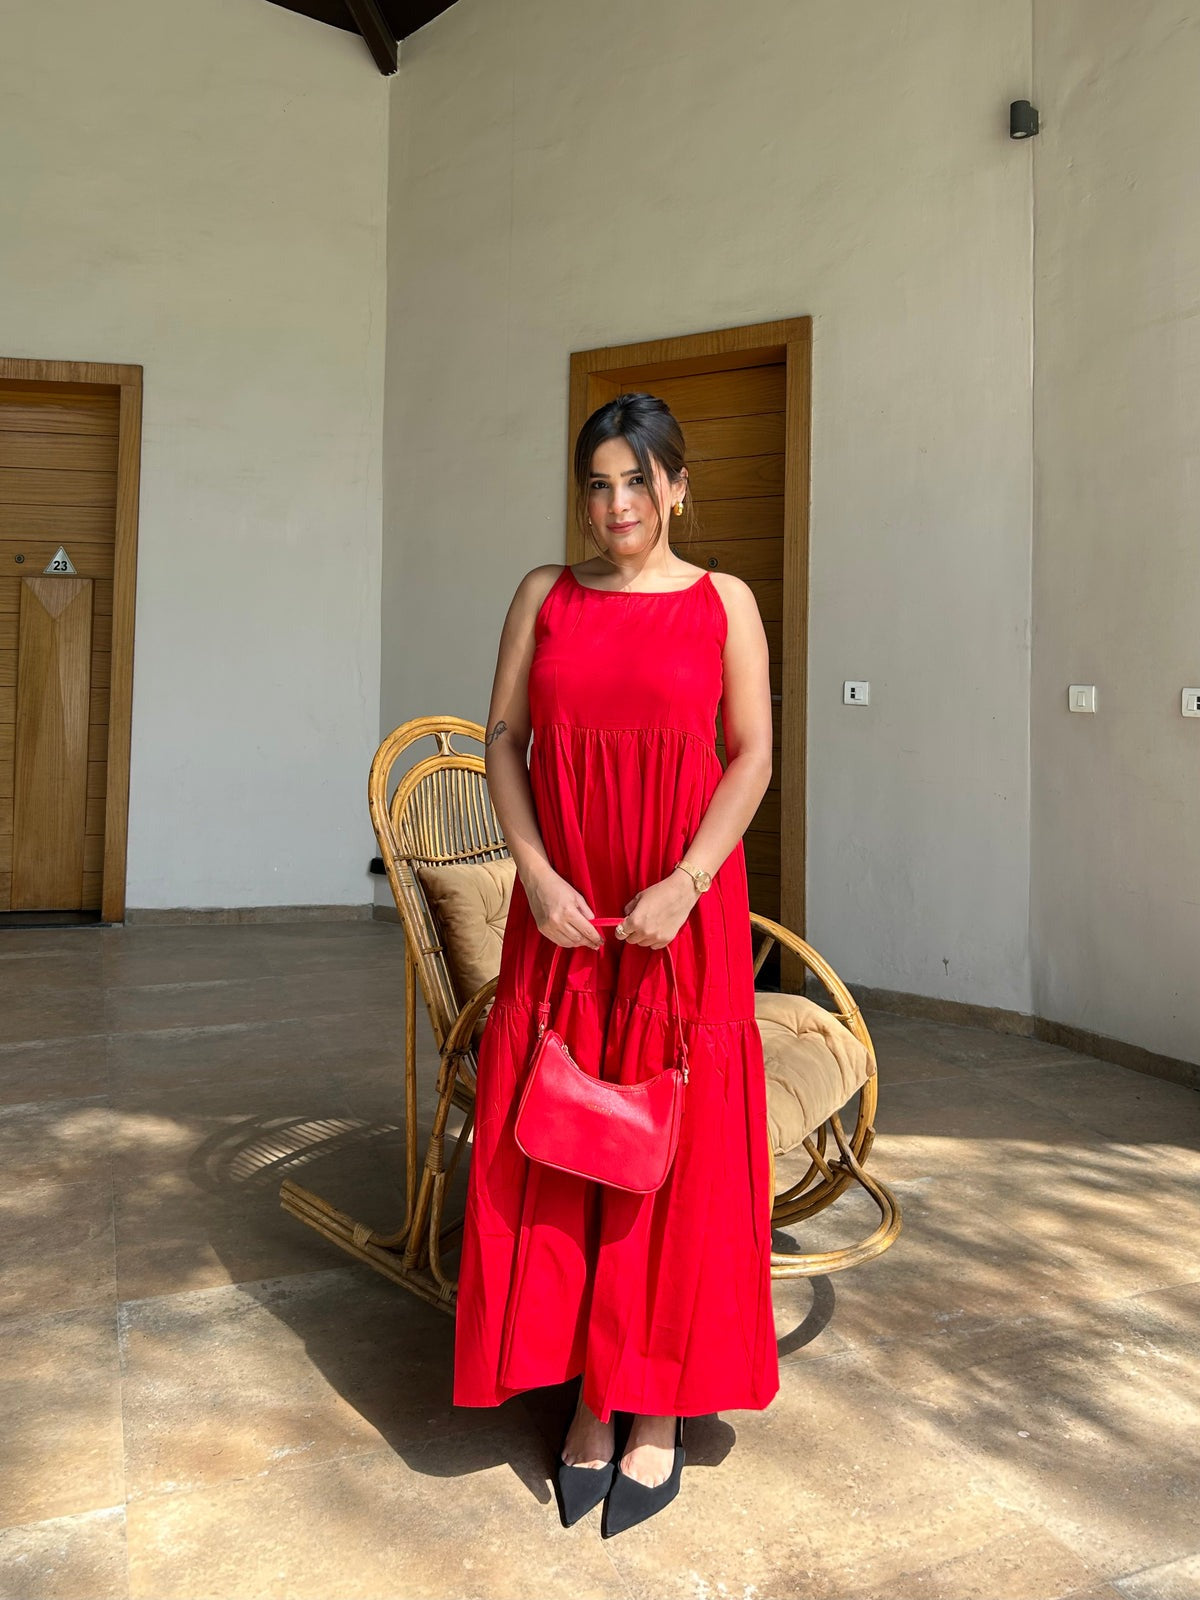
[451,873]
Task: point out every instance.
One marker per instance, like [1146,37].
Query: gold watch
[698,875]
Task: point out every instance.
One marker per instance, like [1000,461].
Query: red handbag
[620,1134]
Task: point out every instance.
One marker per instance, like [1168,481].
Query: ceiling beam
[332,12]
[374,27]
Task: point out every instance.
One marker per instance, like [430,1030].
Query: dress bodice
[628,659]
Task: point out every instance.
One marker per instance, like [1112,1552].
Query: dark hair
[651,432]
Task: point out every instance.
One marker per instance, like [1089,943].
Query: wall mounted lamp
[1022,120]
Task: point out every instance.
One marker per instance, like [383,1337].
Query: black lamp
[1022,120]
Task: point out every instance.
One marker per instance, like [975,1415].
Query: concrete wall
[563,178]
[203,190]
[211,201]
[1116,839]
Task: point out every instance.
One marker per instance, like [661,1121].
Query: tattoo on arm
[495,733]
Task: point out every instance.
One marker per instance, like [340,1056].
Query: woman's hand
[655,915]
[561,912]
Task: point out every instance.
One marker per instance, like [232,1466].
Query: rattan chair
[440,814]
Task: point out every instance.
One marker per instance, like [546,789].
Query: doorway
[70,448]
[743,399]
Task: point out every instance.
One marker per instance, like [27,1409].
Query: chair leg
[355,1239]
[412,1255]
[817,1263]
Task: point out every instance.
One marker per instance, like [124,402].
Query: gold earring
[679,508]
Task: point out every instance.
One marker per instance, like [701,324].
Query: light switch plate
[1082,697]
[856,693]
[1191,702]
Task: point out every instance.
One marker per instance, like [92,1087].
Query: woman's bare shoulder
[733,590]
[536,585]
[745,627]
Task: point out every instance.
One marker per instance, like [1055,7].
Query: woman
[660,1303]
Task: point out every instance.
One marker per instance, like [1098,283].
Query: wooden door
[741,398]
[50,765]
[62,484]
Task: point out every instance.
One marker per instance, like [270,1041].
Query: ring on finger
[620,932]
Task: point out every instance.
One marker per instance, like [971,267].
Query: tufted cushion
[814,1065]
[469,901]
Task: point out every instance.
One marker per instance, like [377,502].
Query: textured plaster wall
[1116,836]
[563,178]
[203,190]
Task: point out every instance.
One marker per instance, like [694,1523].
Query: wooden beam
[331,12]
[407,16]
[373,26]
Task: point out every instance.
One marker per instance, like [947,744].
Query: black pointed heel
[580,1488]
[630,1502]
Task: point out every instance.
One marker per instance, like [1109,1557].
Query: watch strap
[694,873]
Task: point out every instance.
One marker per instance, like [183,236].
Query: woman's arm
[559,910]
[746,718]
[655,915]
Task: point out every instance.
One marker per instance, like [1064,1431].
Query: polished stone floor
[203,1399]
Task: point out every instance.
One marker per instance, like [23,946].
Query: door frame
[126,382]
[787,342]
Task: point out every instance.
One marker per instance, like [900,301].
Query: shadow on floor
[388,1353]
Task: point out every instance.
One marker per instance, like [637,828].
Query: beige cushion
[814,1065]
[470,901]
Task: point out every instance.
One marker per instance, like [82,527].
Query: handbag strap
[681,1051]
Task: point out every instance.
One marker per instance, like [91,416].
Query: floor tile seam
[63,1100]
[11,1321]
[1024,1521]
[117,1508]
[107,1040]
[122,1371]
[185,985]
[909,1020]
[970,1181]
[1049,1253]
[13,1045]
[1069,1118]
[468,1428]
[303,1018]
[233,1078]
[345,1265]
[1149,1571]
[217,1288]
[1005,1101]
[988,1062]
[977,1069]
[849,1355]
[613,1558]
[941,1413]
[1077,1058]
[887,1084]
[1053,1323]
[108,1034]
[976,1330]
[1141,1294]
[1131,1076]
[380,1450]
[329,1007]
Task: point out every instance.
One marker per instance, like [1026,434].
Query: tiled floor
[206,1400]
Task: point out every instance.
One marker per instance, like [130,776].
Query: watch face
[703,879]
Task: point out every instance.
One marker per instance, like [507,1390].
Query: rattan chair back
[438,812]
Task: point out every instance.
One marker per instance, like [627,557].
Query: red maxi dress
[662,1302]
